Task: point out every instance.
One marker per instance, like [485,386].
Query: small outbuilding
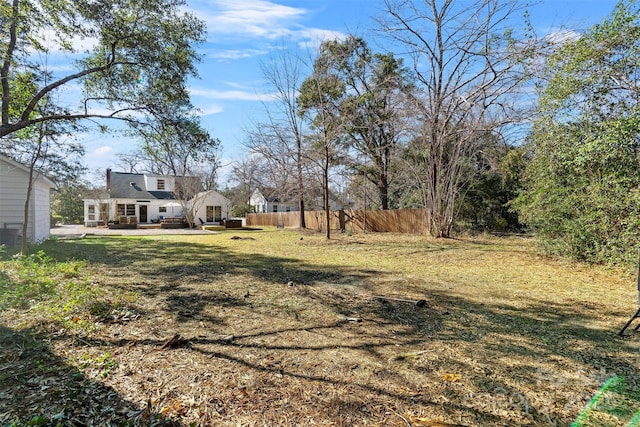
[14,182]
[210,207]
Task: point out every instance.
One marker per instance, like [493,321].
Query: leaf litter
[238,348]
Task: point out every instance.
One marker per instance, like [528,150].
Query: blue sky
[243,33]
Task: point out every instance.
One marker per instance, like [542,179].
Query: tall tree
[140,57]
[280,139]
[67,203]
[468,66]
[582,184]
[371,107]
[492,181]
[319,101]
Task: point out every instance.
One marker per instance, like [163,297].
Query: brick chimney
[108,179]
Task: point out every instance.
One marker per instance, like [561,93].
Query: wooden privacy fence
[413,221]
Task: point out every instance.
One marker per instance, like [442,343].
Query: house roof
[214,193]
[132,186]
[39,175]
[269,194]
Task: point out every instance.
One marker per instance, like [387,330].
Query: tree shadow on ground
[538,348]
[38,387]
[531,362]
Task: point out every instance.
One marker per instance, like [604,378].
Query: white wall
[209,198]
[258,201]
[41,203]
[13,192]
[153,208]
[151,182]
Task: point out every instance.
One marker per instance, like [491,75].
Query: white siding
[153,208]
[151,182]
[209,198]
[13,191]
[41,211]
[258,201]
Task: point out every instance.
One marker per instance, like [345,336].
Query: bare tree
[276,157]
[246,175]
[131,161]
[188,189]
[249,174]
[280,140]
[468,67]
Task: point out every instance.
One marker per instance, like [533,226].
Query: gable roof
[210,192]
[132,186]
[38,175]
[268,194]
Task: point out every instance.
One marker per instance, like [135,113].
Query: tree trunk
[27,202]
[325,179]
[303,223]
[25,222]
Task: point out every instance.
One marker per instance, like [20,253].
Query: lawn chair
[636,315]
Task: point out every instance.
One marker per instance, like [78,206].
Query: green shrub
[25,280]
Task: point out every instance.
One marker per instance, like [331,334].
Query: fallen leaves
[451,377]
[429,422]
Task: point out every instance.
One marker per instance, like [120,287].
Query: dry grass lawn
[275,327]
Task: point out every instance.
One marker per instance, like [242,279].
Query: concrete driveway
[71,231]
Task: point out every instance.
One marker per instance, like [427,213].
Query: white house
[210,207]
[147,198]
[262,203]
[14,181]
[266,204]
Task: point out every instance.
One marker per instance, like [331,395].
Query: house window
[275,208]
[160,184]
[92,213]
[209,213]
[162,209]
[126,210]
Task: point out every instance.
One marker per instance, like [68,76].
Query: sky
[241,34]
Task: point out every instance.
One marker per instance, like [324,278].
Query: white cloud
[313,37]
[51,41]
[233,54]
[103,151]
[254,18]
[257,19]
[234,95]
[210,110]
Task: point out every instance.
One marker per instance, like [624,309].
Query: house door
[143,214]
